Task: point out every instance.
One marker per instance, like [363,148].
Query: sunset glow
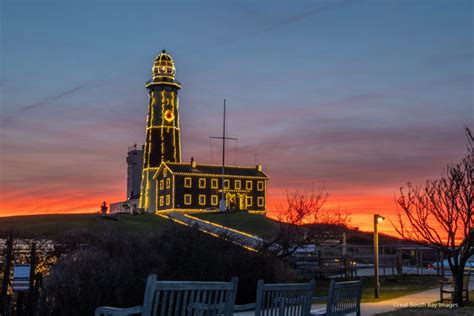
[319,97]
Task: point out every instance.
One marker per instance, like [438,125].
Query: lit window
[214,199]
[248,185]
[162,184]
[214,183]
[260,201]
[226,184]
[168,183]
[161,200]
[238,184]
[202,199]
[168,200]
[187,182]
[202,183]
[249,201]
[187,199]
[260,185]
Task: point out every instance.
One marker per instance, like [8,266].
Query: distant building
[134,176]
[134,171]
[198,187]
[167,183]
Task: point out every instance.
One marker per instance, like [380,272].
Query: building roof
[205,169]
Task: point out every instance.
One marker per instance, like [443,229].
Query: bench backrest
[283,299]
[344,298]
[187,298]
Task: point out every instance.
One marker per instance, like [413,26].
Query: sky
[358,97]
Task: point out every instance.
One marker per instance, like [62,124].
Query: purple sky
[358,96]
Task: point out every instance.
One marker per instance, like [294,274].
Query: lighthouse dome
[163,66]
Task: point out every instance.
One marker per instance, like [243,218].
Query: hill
[266,227]
[50,226]
[253,224]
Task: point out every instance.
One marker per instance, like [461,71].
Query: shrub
[111,268]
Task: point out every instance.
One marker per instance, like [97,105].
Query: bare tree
[302,218]
[440,214]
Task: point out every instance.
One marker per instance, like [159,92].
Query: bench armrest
[246,307]
[106,311]
[320,298]
[445,283]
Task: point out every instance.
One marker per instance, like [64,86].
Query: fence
[40,255]
[354,259]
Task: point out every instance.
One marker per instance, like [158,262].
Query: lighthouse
[162,140]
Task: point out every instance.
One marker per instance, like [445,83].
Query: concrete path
[368,309]
[420,299]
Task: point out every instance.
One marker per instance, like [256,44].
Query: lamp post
[377,219]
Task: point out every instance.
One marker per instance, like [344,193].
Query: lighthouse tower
[162,142]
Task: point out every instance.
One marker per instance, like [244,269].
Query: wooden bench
[447,287]
[284,299]
[343,298]
[181,298]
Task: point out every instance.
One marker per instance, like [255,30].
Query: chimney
[193,163]
[259,168]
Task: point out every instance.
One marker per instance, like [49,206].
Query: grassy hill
[254,224]
[266,227]
[49,226]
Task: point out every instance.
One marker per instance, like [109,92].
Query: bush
[111,268]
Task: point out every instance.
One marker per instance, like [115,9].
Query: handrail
[244,307]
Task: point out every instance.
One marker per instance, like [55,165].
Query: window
[202,199]
[260,185]
[168,200]
[226,184]
[238,184]
[214,199]
[161,200]
[168,183]
[202,183]
[187,182]
[248,185]
[187,199]
[214,183]
[260,201]
[162,184]
[249,201]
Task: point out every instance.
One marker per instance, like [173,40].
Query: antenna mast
[222,204]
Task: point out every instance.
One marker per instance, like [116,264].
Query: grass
[254,224]
[50,226]
[391,287]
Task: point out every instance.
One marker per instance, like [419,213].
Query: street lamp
[377,219]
